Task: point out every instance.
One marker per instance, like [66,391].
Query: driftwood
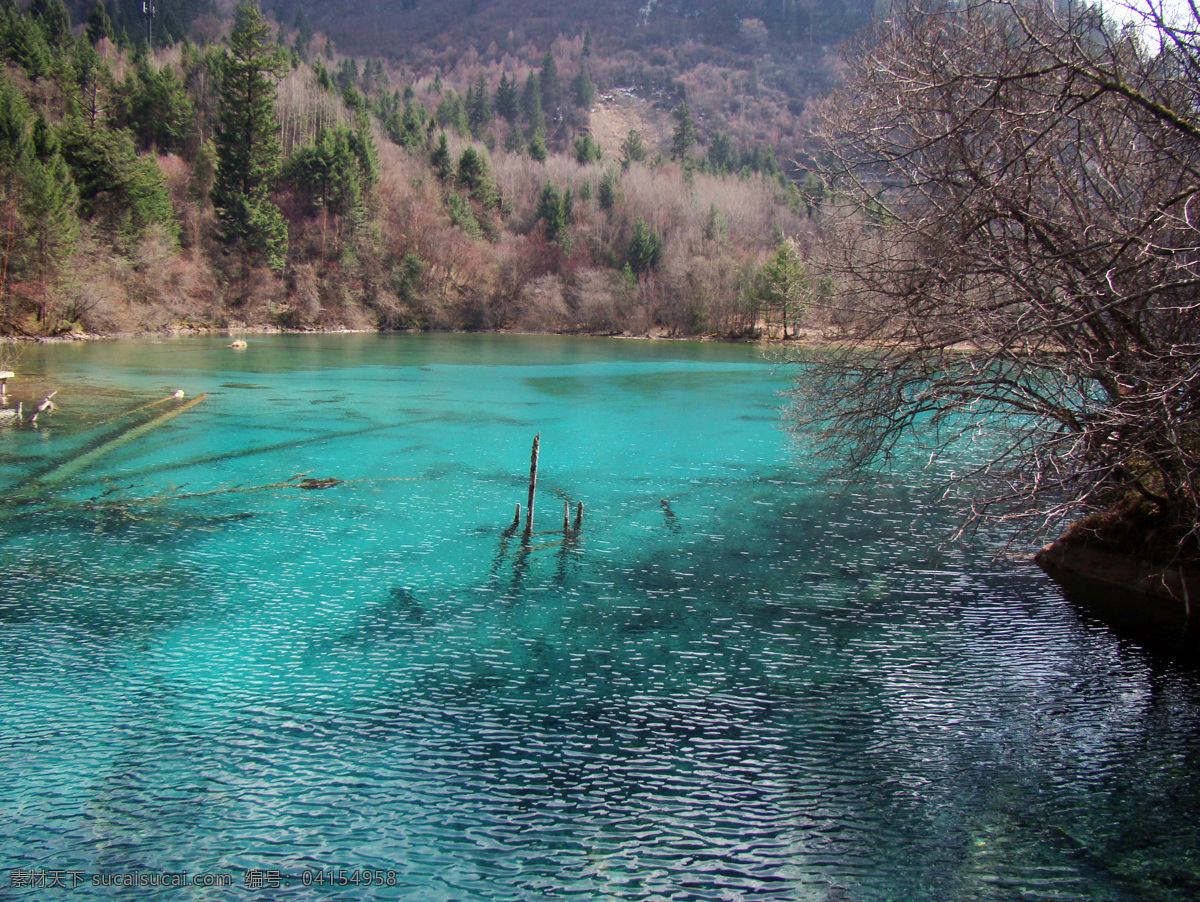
[46,404]
[533,467]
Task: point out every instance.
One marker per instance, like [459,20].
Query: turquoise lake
[739,680]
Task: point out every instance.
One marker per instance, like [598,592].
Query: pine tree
[247,141]
[475,175]
[782,283]
[645,248]
[515,141]
[508,98]
[537,145]
[587,150]
[555,210]
[304,32]
[53,19]
[38,221]
[585,90]
[479,108]
[99,25]
[440,160]
[551,89]
[606,193]
[685,132]
[329,173]
[157,107]
[531,103]
[632,149]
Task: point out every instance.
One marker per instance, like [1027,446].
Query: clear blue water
[739,681]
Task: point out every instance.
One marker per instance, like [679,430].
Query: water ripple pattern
[738,681]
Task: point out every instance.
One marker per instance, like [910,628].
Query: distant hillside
[573,183]
[749,68]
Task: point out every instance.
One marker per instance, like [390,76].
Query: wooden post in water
[532,484]
[566,516]
[516,519]
[579,517]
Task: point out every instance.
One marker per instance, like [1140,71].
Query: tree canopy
[247,139]
[1026,255]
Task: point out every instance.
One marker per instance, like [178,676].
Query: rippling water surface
[738,681]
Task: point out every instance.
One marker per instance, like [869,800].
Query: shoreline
[807,338]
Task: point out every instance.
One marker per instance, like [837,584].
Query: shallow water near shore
[738,680]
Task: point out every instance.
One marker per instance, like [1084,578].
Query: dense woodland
[213,167]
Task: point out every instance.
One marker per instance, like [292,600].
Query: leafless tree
[1024,254]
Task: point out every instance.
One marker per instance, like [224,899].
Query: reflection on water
[736,682]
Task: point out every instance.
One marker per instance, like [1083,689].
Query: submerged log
[579,517]
[313,483]
[69,468]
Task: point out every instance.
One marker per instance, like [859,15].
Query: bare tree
[1024,254]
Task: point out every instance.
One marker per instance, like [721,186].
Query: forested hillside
[642,173]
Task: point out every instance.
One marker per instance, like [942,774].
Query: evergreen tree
[632,149]
[531,103]
[685,132]
[92,89]
[38,221]
[508,98]
[587,150]
[721,155]
[99,25]
[475,175]
[304,32]
[362,145]
[782,283]
[645,248]
[440,160]
[413,122]
[585,91]
[554,209]
[479,109]
[606,193]
[347,75]
[537,145]
[247,141]
[452,113]
[587,43]
[551,89]
[156,106]
[23,42]
[53,19]
[118,190]
[329,173]
[515,141]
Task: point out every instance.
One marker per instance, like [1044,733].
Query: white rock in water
[178,393]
